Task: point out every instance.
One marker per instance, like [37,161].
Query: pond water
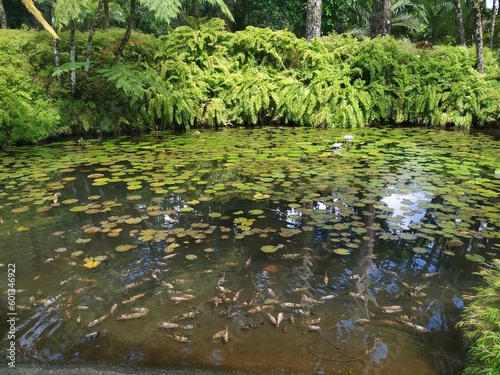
[260,251]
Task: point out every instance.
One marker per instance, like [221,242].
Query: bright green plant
[482,325]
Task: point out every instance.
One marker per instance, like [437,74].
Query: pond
[267,250]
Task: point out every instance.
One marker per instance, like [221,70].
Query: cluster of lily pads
[344,190]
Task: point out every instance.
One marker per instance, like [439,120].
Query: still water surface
[270,251]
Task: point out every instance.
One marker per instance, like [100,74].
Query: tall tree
[478,35]
[493,21]
[3,17]
[313,19]
[88,49]
[460,20]
[380,23]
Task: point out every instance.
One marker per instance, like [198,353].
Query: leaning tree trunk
[126,37]
[478,35]
[493,20]
[91,36]
[380,23]
[313,19]
[3,17]
[460,19]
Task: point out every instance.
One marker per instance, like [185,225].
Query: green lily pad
[475,257]
[123,248]
[341,251]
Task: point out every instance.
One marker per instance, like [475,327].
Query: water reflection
[364,279]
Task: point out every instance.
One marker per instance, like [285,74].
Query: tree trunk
[313,19]
[55,41]
[478,35]
[126,37]
[88,50]
[3,17]
[196,9]
[380,23]
[493,20]
[460,19]
[105,5]
[72,56]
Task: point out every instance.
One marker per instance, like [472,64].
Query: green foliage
[26,114]
[482,325]
[207,76]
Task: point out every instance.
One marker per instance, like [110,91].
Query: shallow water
[372,247]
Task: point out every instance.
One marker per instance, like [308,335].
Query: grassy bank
[206,76]
[482,325]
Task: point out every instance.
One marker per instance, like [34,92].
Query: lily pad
[123,248]
[475,257]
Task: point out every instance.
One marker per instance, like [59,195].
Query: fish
[219,335]
[133,298]
[140,309]
[312,328]
[166,285]
[279,319]
[314,321]
[113,309]
[184,297]
[311,300]
[225,336]
[290,305]
[79,319]
[302,312]
[237,295]
[249,260]
[327,297]
[417,327]
[81,307]
[179,338]
[252,325]
[298,290]
[95,322]
[168,256]
[357,295]
[191,314]
[271,318]
[131,316]
[390,309]
[259,308]
[132,285]
[220,288]
[168,325]
[66,281]
[325,279]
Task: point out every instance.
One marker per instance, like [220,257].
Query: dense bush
[207,76]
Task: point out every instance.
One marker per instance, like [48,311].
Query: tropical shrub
[204,75]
